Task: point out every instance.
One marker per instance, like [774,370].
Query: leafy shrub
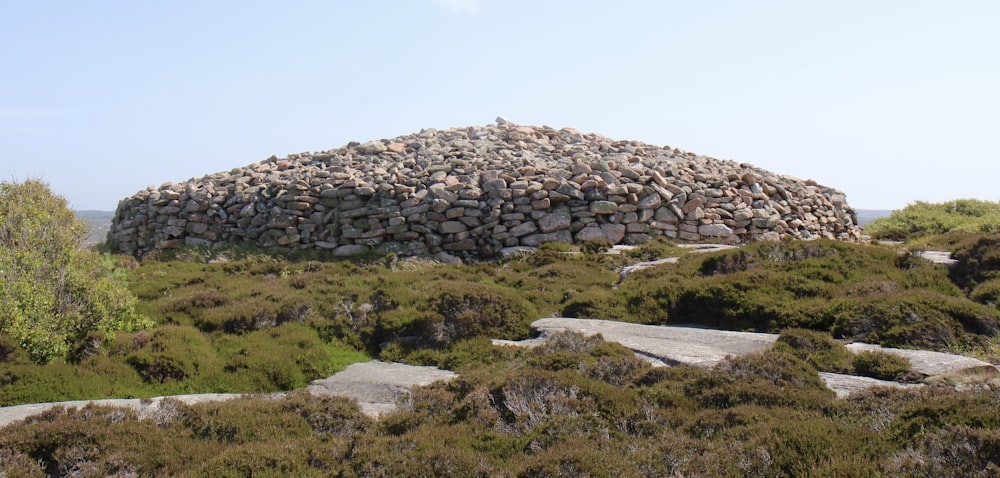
[922,219]
[880,365]
[55,293]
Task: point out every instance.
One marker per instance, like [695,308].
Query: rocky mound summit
[476,190]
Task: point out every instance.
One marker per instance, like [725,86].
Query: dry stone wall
[476,190]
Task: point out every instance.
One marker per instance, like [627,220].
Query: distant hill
[98,224]
[866,216]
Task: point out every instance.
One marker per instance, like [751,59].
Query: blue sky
[889,101]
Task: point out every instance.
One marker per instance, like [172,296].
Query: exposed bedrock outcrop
[473,191]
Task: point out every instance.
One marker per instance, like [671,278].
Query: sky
[890,101]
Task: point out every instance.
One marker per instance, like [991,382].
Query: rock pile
[473,191]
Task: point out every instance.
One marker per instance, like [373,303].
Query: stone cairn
[471,192]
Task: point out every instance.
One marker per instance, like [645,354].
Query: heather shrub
[659,248]
[769,378]
[911,318]
[278,458]
[598,304]
[465,310]
[880,365]
[285,357]
[978,259]
[245,420]
[987,293]
[15,463]
[173,354]
[953,451]
[595,247]
[817,348]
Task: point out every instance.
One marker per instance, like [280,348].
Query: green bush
[880,365]
[817,348]
[987,293]
[460,311]
[978,259]
[55,293]
[912,318]
[922,219]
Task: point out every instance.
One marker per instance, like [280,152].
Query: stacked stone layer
[473,191]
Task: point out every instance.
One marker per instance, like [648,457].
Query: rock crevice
[473,191]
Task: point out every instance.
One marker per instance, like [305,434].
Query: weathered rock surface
[846,385]
[377,385]
[669,344]
[938,257]
[144,407]
[674,345]
[695,248]
[926,362]
[477,190]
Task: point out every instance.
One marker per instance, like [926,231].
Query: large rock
[673,345]
[477,190]
[377,385]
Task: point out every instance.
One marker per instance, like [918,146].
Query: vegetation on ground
[921,219]
[577,406]
[243,320]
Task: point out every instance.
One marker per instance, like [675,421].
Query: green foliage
[256,322]
[55,293]
[911,318]
[596,247]
[978,259]
[764,414]
[922,219]
[464,310]
[659,248]
[556,247]
[817,348]
[880,365]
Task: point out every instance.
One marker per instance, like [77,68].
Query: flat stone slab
[938,257]
[377,385]
[694,249]
[14,413]
[672,345]
[638,266]
[924,361]
[675,345]
[847,385]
